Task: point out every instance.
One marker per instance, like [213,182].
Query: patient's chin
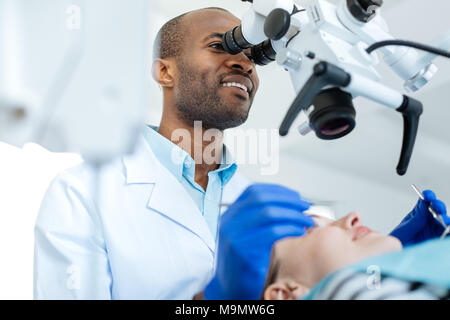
[377,244]
[391,243]
[396,243]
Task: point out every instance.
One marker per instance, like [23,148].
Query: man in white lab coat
[147,228]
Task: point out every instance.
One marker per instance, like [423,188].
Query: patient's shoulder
[350,284]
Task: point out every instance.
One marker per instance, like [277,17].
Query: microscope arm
[326,74]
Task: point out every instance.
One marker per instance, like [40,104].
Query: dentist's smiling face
[213,86]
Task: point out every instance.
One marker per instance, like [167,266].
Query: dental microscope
[329,51]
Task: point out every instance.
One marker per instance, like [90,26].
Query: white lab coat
[144,239]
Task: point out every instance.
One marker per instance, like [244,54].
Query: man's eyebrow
[212,36]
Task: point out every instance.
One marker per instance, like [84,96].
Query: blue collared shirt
[182,166]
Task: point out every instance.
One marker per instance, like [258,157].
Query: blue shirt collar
[179,162]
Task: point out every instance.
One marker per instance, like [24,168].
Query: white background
[357,172]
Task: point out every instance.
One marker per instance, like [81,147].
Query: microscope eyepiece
[234,42]
[263,53]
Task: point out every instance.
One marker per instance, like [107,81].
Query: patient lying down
[299,263]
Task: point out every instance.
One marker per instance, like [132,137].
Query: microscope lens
[334,114]
[335,127]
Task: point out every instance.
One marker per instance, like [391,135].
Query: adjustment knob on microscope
[289,59]
[277,24]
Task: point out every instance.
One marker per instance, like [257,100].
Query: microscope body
[331,33]
[325,48]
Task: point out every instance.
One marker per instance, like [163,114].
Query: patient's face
[325,248]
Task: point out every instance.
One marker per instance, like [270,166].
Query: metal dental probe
[446,232]
[434,213]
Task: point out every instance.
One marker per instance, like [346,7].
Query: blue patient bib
[427,262]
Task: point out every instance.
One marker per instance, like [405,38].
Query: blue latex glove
[263,214]
[419,225]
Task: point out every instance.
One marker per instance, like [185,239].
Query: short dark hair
[169,41]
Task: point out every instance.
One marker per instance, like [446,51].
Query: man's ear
[163,72]
[285,290]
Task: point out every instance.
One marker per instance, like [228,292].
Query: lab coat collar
[170,199]
[138,168]
[168,196]
[168,153]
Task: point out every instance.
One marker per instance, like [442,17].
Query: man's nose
[241,62]
[350,221]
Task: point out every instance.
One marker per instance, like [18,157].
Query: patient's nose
[353,219]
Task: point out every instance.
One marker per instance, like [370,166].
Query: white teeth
[234,84]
